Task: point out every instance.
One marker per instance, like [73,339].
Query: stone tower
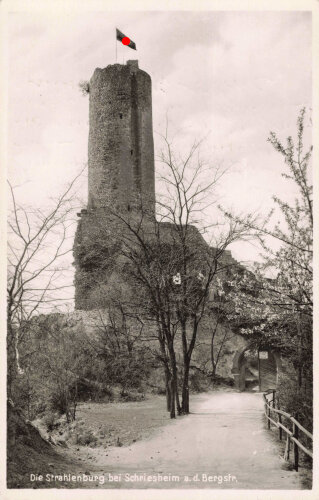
[121,150]
[121,175]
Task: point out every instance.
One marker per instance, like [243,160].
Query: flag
[125,39]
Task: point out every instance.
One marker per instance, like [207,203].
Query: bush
[50,421]
[160,390]
[86,438]
[222,381]
[107,396]
[198,382]
[297,402]
[130,396]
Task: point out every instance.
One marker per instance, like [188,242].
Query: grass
[97,425]
[120,424]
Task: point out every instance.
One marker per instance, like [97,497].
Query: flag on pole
[125,39]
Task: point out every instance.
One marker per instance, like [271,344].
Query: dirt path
[225,437]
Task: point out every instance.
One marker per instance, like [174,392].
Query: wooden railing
[292,434]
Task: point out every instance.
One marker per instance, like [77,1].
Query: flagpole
[115,46]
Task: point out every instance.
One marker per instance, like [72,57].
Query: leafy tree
[275,302]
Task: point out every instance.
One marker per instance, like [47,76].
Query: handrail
[301,428]
[291,435]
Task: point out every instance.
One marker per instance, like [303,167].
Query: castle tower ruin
[121,183]
[121,150]
[121,176]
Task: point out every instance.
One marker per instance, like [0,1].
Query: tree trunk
[178,405]
[11,361]
[175,382]
[212,352]
[174,387]
[167,373]
[167,389]
[214,372]
[186,361]
[168,397]
[172,404]
[185,389]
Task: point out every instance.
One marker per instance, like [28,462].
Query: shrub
[198,381]
[132,396]
[85,438]
[50,421]
[297,402]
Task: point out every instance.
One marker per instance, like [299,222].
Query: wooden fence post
[279,420]
[269,417]
[296,449]
[280,429]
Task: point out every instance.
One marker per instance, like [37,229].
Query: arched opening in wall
[256,370]
[268,370]
[250,365]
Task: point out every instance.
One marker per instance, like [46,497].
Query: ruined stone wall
[94,250]
[121,150]
[98,255]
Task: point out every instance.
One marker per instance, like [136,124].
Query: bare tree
[170,260]
[150,265]
[192,185]
[38,240]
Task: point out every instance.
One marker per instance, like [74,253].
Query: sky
[231,77]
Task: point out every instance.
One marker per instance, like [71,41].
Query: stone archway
[238,370]
[244,372]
